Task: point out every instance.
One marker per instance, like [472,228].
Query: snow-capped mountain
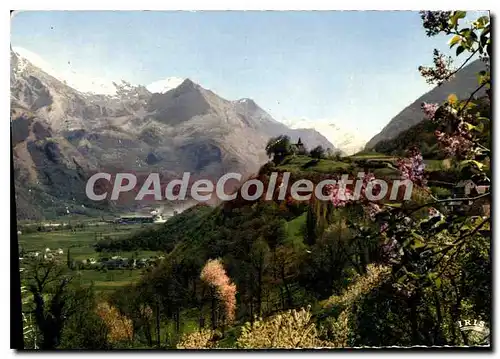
[343,138]
[62,135]
[85,83]
[81,82]
[162,86]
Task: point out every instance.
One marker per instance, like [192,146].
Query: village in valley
[104,262]
[71,242]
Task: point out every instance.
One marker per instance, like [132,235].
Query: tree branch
[472,96]
[461,66]
[462,199]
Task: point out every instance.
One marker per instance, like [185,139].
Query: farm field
[80,242]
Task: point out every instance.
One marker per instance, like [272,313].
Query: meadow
[80,242]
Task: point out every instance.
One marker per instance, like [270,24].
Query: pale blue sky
[358,69]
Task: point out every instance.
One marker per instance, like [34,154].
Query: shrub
[119,326]
[375,275]
[197,340]
[292,329]
[318,152]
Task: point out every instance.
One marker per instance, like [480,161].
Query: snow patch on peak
[79,81]
[26,56]
[165,85]
[343,138]
[247,103]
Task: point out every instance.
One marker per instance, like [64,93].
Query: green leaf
[455,17]
[414,275]
[483,77]
[406,242]
[454,40]
[394,205]
[417,243]
[480,127]
[482,21]
[460,49]
[437,282]
[469,106]
[465,32]
[478,164]
[470,126]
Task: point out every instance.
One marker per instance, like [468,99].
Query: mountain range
[62,135]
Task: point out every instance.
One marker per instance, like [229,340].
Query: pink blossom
[214,274]
[441,71]
[339,195]
[429,110]
[412,167]
[439,135]
[454,145]
[369,177]
[373,209]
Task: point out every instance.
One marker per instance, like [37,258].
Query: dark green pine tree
[69,262]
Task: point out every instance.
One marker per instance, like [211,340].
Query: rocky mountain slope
[62,135]
[462,85]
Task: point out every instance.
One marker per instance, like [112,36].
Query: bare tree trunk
[282,298]
[287,290]
[437,331]
[149,336]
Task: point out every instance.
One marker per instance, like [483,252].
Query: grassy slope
[294,229]
[307,164]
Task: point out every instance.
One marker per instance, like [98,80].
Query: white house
[48,256]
